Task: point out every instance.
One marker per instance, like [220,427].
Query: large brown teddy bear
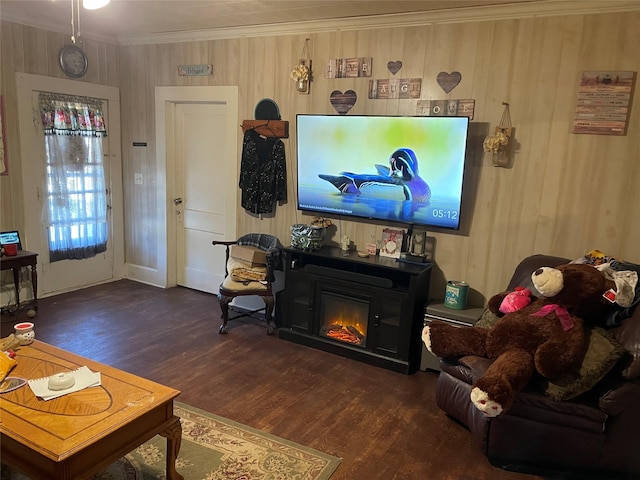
[547,335]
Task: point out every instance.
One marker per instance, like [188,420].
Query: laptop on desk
[10,237]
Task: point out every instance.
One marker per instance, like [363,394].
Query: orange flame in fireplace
[347,328]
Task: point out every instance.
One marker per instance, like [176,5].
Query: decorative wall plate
[73,61]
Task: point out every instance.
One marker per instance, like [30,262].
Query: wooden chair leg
[224,307]
[269,304]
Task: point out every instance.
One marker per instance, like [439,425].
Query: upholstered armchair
[574,430]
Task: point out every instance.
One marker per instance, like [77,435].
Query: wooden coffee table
[79,434]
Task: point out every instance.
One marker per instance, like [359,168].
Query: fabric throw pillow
[602,354]
[487,319]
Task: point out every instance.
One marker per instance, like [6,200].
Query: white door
[65,275]
[205,192]
[68,275]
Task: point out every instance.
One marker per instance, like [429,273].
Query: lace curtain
[76,211]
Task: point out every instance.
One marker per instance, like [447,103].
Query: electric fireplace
[344,318]
[367,309]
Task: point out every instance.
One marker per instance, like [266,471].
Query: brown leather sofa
[595,435]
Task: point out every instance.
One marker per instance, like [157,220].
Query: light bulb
[94,4]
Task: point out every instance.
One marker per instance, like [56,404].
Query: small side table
[460,318]
[15,263]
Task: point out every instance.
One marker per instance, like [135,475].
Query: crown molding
[532,9]
[536,8]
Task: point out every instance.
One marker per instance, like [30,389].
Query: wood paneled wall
[35,51]
[565,194]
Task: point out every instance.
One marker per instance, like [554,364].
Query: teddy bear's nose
[538,272]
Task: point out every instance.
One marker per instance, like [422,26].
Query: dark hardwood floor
[384,425]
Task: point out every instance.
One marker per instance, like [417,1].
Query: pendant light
[94,4]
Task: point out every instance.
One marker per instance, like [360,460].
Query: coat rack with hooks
[267,128]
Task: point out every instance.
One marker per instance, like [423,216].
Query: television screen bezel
[386,220]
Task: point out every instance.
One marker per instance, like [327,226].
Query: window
[76,207]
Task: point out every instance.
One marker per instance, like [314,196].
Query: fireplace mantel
[394,294]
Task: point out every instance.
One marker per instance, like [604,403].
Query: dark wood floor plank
[385,425]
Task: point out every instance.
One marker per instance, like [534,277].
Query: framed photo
[391,243]
[4,166]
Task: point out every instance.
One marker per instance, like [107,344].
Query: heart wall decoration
[449,81]
[343,102]
[394,67]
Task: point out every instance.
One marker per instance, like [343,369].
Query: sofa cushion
[575,414]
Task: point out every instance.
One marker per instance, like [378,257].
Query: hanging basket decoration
[301,73]
[499,144]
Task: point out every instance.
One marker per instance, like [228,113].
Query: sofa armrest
[614,401]
[468,368]
[611,397]
[628,334]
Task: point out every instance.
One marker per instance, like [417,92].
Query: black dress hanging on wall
[263,173]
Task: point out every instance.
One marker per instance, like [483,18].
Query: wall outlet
[138,178]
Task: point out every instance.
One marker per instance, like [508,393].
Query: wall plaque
[402,88]
[348,67]
[448,81]
[343,102]
[604,103]
[195,70]
[446,108]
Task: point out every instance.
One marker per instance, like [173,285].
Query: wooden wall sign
[348,67]
[195,70]
[446,108]
[403,88]
[604,103]
[394,67]
[343,102]
[448,81]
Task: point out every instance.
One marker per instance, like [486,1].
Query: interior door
[205,188]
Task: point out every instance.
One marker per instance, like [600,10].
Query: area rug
[214,448]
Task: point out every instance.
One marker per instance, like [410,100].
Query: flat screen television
[395,169]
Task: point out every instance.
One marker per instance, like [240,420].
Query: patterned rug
[214,448]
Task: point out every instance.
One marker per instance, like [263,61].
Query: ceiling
[130,18]
[163,21]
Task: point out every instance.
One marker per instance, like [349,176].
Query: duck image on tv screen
[406,170]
